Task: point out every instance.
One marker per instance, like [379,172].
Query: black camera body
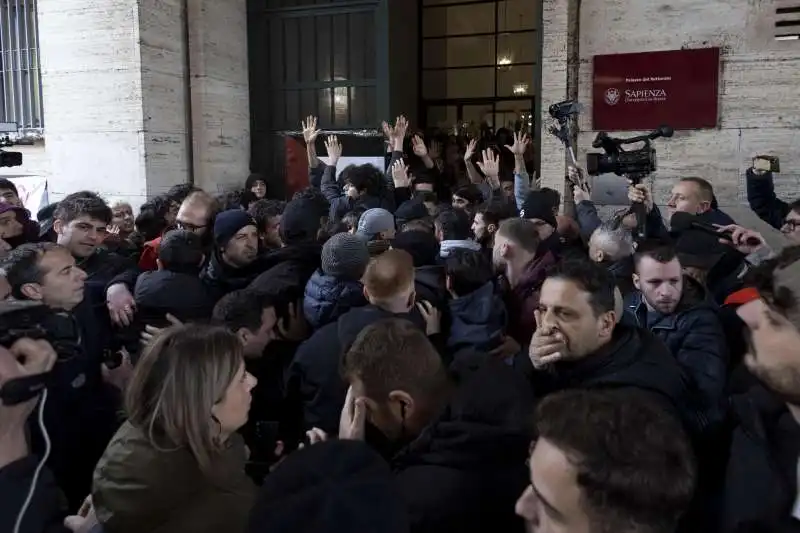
[634,164]
[24,319]
[564,110]
[9,159]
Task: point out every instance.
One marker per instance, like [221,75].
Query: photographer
[24,358]
[81,416]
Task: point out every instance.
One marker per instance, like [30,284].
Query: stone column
[220,92]
[118,118]
[555,38]
[111,76]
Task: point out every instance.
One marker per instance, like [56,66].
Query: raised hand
[472,145]
[490,166]
[400,174]
[419,146]
[334,148]
[310,131]
[521,142]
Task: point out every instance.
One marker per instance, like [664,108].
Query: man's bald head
[389,275]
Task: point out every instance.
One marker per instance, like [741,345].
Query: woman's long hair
[183,373]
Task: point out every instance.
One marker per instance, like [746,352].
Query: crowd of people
[433,348]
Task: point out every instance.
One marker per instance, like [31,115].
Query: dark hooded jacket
[523,299]
[466,470]
[429,285]
[694,336]
[315,389]
[221,278]
[478,321]
[183,295]
[761,478]
[327,298]
[286,271]
[633,358]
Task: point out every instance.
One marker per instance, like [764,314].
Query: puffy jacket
[478,320]
[695,337]
[327,298]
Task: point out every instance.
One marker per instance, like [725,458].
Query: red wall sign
[643,91]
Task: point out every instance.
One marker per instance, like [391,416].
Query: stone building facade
[142,94]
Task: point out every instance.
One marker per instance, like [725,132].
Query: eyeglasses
[189,227]
[791,224]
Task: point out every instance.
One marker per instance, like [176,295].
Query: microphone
[681,221]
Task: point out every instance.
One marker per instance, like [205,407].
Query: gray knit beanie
[345,256]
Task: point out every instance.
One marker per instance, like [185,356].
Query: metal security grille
[787,23]
[319,58]
[20,79]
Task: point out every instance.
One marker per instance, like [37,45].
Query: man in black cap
[538,207]
[233,262]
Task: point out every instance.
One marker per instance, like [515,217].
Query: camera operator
[81,414]
[690,195]
[25,357]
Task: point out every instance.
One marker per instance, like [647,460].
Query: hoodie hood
[478,320]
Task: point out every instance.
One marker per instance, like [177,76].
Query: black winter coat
[221,278]
[183,295]
[286,271]
[761,478]
[633,358]
[315,389]
[465,472]
[695,337]
[478,320]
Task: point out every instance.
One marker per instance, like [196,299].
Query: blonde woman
[177,464]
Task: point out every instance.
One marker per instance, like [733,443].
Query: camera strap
[21,390]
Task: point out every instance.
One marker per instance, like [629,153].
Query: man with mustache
[678,310]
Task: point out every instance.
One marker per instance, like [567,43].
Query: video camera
[9,159]
[633,164]
[23,319]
